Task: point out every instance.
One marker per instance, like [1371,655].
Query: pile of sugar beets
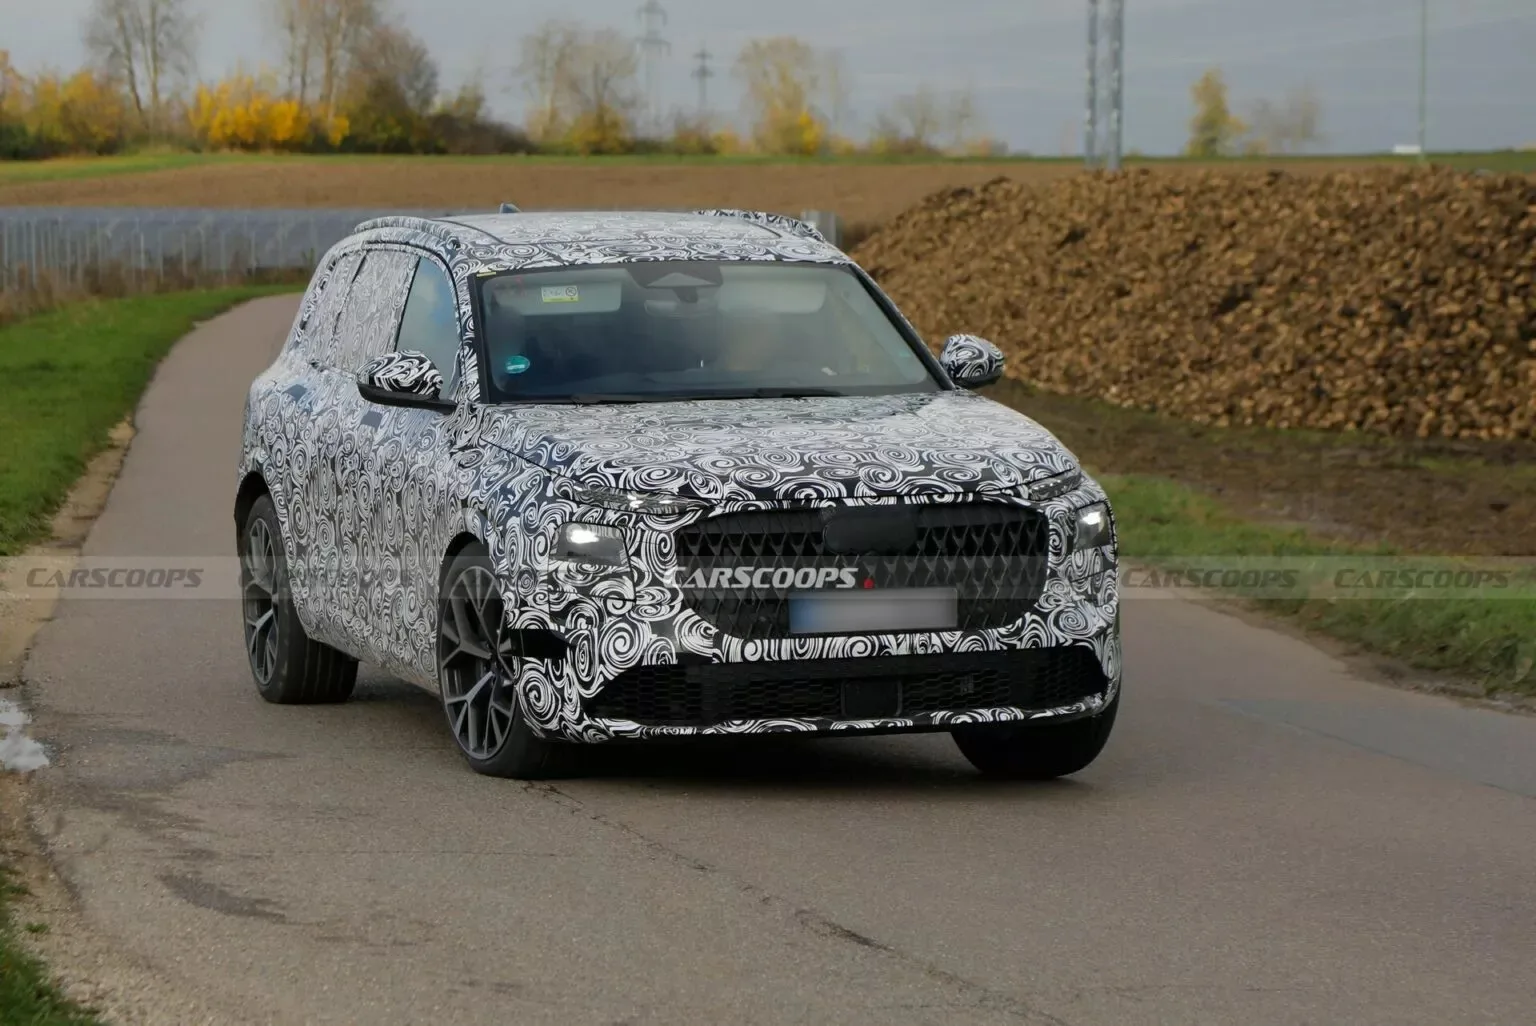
[1393,300]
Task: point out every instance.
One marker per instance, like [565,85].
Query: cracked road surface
[1267,839]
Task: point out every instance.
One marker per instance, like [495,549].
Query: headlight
[591,543]
[1055,487]
[1092,528]
[630,502]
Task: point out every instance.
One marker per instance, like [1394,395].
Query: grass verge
[1486,640]
[61,169]
[71,375]
[27,995]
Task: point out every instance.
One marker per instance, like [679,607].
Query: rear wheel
[289,668]
[478,666]
[1036,751]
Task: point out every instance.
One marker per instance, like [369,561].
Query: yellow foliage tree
[247,112]
[84,113]
[1214,130]
[783,76]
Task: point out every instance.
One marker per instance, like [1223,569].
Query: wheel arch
[252,487]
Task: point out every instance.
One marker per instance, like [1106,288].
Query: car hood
[777,449]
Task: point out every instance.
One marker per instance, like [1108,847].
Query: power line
[702,73]
[653,47]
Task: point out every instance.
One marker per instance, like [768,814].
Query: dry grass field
[861,192]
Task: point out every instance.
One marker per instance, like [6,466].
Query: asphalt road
[1267,839]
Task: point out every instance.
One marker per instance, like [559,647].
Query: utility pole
[1116,81]
[1091,115]
[653,47]
[1423,81]
[1107,26]
[702,74]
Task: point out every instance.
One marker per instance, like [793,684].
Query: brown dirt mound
[1396,301]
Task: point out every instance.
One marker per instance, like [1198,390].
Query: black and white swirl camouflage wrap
[970,361]
[406,373]
[373,498]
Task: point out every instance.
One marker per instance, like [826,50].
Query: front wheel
[1036,751]
[478,663]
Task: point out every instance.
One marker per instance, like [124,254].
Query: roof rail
[507,208]
[781,222]
[413,221]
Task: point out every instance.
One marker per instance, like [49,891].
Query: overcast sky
[1023,58]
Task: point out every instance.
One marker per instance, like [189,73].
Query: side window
[431,322]
[317,324]
[367,325]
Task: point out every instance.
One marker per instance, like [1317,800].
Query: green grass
[69,377]
[1487,641]
[17,172]
[27,994]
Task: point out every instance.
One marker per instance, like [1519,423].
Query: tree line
[351,77]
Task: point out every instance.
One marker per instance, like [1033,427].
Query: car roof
[615,226]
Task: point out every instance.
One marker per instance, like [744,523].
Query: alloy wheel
[476,660]
[260,594]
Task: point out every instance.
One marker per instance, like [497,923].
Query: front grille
[851,689]
[995,556]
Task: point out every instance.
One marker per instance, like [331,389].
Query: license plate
[873,612]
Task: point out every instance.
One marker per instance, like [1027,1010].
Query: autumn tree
[1215,129]
[544,67]
[1289,126]
[146,45]
[582,86]
[603,92]
[784,78]
[925,122]
[390,92]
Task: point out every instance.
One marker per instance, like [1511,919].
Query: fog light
[591,543]
[1092,528]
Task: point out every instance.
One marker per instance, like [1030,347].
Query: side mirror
[402,379]
[971,362]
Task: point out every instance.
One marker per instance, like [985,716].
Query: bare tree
[546,56]
[602,88]
[785,78]
[146,45]
[1288,127]
[338,28]
[296,21]
[925,121]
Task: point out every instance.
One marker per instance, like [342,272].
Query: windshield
[658,330]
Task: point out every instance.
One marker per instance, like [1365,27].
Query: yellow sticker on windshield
[561,294]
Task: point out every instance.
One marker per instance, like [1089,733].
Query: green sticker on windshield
[516,364]
[561,294]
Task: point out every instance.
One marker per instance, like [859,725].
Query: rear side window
[317,325]
[371,316]
[430,324]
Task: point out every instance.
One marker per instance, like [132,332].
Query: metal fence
[78,245]
[75,245]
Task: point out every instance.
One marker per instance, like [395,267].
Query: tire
[1036,751]
[289,668]
[477,669]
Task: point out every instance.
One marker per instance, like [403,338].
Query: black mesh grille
[848,689]
[994,556]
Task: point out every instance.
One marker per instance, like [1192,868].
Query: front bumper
[638,662]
